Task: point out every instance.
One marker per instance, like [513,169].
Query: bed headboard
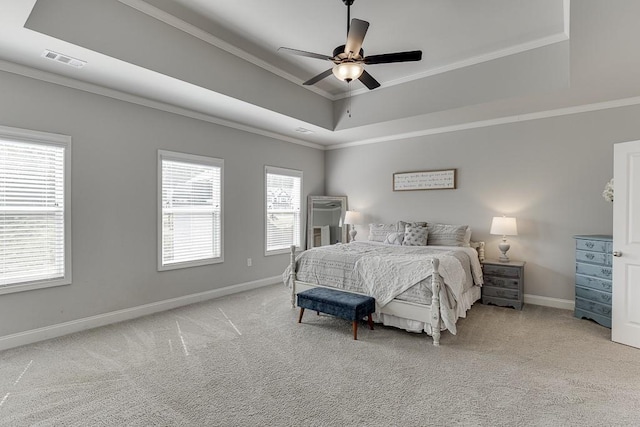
[479,247]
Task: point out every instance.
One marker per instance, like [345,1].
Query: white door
[625,320]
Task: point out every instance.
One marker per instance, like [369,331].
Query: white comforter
[387,276]
[386,272]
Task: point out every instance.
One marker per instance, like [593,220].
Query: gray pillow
[403,224]
[449,235]
[379,232]
[415,235]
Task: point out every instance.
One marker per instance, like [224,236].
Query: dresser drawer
[593,245]
[593,307]
[500,292]
[498,270]
[603,272]
[593,283]
[600,258]
[593,295]
[500,282]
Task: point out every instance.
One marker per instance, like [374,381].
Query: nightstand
[503,283]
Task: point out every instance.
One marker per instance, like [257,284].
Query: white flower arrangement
[608,191]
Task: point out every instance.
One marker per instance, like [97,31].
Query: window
[190,211]
[35,239]
[283,192]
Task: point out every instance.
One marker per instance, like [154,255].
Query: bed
[417,288]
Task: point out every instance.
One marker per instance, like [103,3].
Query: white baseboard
[565,304]
[53,331]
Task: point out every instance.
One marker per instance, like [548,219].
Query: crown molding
[585,108]
[48,77]
[45,76]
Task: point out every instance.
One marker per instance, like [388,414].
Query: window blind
[283,197]
[191,209]
[32,210]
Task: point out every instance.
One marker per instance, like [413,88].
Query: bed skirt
[468,298]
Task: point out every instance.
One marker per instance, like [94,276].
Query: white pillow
[379,232]
[449,235]
[395,238]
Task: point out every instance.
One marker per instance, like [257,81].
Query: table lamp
[352,218]
[505,226]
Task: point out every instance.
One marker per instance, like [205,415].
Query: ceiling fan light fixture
[348,71]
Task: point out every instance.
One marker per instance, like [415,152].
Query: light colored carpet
[243,360]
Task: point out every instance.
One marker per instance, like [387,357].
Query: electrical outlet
[248,262]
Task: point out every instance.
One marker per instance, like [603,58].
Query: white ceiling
[451,34]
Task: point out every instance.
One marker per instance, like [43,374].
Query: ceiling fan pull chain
[349,100]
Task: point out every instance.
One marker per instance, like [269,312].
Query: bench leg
[355,329]
[301,313]
[370,321]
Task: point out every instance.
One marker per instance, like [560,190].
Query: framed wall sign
[425,180]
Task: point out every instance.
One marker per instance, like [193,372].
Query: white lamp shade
[352,217]
[504,226]
[348,71]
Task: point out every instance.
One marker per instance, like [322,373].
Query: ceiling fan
[349,59]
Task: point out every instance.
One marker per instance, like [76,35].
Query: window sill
[188,264]
[10,289]
[282,251]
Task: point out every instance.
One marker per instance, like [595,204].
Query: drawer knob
[617,253]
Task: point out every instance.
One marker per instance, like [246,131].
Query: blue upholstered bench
[338,303]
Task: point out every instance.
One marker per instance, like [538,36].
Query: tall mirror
[324,220]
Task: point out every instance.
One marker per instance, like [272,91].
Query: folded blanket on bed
[386,277]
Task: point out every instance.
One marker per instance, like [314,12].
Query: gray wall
[548,173]
[113,205]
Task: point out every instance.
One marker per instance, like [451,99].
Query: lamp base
[504,247]
[352,234]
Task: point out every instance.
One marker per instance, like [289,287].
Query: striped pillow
[379,232]
[448,235]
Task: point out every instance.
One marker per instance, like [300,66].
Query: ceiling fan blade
[368,80]
[355,37]
[319,77]
[387,58]
[304,53]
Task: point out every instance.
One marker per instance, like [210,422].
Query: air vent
[65,59]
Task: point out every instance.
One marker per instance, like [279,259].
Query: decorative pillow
[379,232]
[449,235]
[415,235]
[395,238]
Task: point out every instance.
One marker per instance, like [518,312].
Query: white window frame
[64,141]
[195,159]
[287,172]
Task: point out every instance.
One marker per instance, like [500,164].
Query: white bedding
[387,272]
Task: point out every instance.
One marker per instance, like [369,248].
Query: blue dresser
[593,278]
